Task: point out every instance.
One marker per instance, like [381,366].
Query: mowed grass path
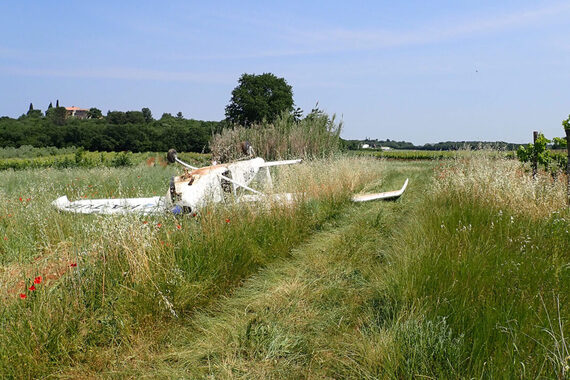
[466,276]
[293,318]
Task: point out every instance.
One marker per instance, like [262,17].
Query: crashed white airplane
[192,190]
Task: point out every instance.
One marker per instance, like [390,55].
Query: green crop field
[423,155]
[466,275]
[38,158]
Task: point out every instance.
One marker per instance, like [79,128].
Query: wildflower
[145,222]
[38,280]
[227,220]
[73,265]
[20,199]
[32,288]
[28,199]
[159,225]
[178,226]
[23,296]
[5,237]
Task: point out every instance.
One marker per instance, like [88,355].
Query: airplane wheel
[171,156]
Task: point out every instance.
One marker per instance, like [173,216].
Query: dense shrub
[317,135]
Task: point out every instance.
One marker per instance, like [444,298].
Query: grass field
[467,275]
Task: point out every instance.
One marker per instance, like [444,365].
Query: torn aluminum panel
[142,206]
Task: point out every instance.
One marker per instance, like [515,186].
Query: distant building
[77,112]
[385,148]
[365,146]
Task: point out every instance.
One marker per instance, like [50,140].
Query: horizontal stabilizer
[386,195]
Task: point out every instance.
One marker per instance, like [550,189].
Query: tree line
[446,145]
[135,131]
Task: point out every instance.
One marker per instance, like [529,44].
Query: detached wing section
[387,195]
[142,206]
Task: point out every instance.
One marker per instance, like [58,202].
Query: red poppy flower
[227,220]
[20,199]
[5,237]
[38,280]
[32,288]
[145,222]
[159,225]
[179,226]
[28,199]
[73,265]
[23,296]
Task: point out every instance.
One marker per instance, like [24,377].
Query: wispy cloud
[300,41]
[125,73]
[372,39]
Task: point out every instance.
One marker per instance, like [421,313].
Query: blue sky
[420,71]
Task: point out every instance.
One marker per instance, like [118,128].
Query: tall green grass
[489,258]
[106,281]
[467,276]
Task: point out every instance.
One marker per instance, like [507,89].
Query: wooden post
[567,130]
[566,126]
[534,158]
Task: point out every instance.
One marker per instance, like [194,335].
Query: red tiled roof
[75,109]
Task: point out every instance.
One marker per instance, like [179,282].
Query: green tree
[57,115]
[34,113]
[116,117]
[147,114]
[258,98]
[94,113]
[134,117]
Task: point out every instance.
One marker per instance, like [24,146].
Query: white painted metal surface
[190,191]
[141,206]
[386,195]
